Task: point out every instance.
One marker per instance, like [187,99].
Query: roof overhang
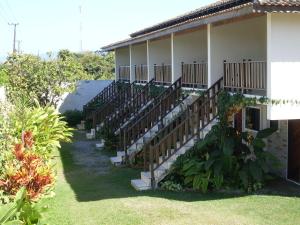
[228,14]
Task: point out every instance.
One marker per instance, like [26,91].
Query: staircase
[161,151]
[126,92]
[104,96]
[148,122]
[130,107]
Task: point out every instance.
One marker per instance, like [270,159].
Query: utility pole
[15,35]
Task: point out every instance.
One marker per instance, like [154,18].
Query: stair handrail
[155,106]
[199,111]
[104,94]
[129,107]
[99,115]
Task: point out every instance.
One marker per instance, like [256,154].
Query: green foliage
[3,75]
[155,91]
[46,125]
[97,65]
[226,157]
[73,117]
[31,78]
[111,140]
[171,186]
[20,211]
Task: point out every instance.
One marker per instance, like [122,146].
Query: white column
[209,80]
[268,43]
[148,61]
[132,78]
[172,58]
[116,67]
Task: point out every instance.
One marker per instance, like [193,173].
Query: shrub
[73,117]
[226,157]
[171,186]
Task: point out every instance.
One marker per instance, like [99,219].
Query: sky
[51,25]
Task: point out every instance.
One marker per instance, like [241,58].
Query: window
[252,119]
[274,124]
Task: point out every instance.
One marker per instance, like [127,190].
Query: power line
[12,12]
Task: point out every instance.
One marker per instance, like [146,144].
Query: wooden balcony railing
[124,93]
[141,73]
[194,75]
[151,115]
[186,127]
[124,73]
[163,74]
[130,107]
[246,77]
[100,99]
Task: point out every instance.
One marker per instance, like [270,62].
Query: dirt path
[86,155]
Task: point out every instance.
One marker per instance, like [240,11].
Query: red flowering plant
[27,169]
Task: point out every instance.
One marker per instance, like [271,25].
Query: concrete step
[116,160]
[121,154]
[140,185]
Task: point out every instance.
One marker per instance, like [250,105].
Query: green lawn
[85,198]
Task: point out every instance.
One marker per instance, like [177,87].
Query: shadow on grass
[116,184]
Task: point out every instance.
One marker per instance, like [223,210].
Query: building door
[294,151]
[238,121]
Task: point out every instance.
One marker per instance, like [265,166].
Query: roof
[208,10]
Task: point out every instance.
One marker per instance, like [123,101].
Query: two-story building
[254,45]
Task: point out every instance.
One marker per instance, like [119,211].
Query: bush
[73,117]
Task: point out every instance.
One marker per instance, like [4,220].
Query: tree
[98,65]
[31,78]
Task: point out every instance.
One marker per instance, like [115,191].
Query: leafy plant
[32,78]
[226,157]
[20,212]
[171,186]
[73,117]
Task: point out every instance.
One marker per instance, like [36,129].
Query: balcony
[124,73]
[141,73]
[163,74]
[194,75]
[247,77]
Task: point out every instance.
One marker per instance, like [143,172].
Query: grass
[83,198]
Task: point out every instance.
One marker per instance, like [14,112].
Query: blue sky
[50,25]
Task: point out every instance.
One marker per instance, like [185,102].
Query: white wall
[2,94]
[122,58]
[159,52]
[245,39]
[189,47]
[138,57]
[85,91]
[284,64]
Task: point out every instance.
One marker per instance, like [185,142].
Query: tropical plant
[21,211]
[225,157]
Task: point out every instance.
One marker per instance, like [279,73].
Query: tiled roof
[207,11]
[213,8]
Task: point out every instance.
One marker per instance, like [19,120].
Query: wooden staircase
[104,96]
[124,94]
[156,115]
[161,151]
[130,107]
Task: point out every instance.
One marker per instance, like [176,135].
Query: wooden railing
[130,107]
[246,75]
[194,75]
[141,73]
[124,73]
[151,115]
[123,94]
[104,96]
[163,74]
[186,127]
